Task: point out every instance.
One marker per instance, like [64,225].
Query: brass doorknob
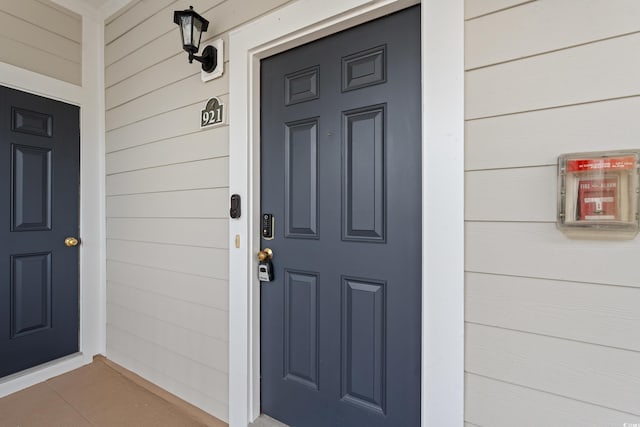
[71,242]
[265,254]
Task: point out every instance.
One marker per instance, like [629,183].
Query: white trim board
[90,98]
[39,84]
[443,161]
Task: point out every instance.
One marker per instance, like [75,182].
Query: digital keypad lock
[267,226]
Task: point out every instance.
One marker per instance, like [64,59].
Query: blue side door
[39,210]
[341,174]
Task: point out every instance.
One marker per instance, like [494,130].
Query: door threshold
[266,421]
[23,379]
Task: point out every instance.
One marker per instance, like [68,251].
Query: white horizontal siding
[475,8]
[153,78]
[540,250]
[606,315]
[177,95]
[536,138]
[180,149]
[21,55]
[543,27]
[590,373]
[210,203]
[491,403]
[596,71]
[171,284]
[209,173]
[524,194]
[46,16]
[203,232]
[197,318]
[137,12]
[39,37]
[209,262]
[552,323]
[206,350]
[168,201]
[173,123]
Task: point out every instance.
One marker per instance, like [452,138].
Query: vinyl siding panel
[210,203]
[40,37]
[490,194]
[47,16]
[185,342]
[476,8]
[169,124]
[605,376]
[201,319]
[605,315]
[180,149]
[542,29]
[533,138]
[209,173]
[208,262]
[498,404]
[540,250]
[167,201]
[202,232]
[153,78]
[130,16]
[551,323]
[593,72]
[177,95]
[192,288]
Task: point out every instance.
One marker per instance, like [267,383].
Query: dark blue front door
[39,188]
[341,173]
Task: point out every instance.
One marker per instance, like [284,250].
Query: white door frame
[299,22]
[90,98]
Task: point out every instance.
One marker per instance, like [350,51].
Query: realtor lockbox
[598,194]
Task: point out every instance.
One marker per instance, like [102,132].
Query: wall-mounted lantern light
[192,25]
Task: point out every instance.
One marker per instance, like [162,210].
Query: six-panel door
[39,190]
[341,172]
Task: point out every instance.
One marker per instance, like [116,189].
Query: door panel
[30,293]
[301,328]
[341,172]
[363,343]
[364,175]
[31,189]
[301,179]
[39,188]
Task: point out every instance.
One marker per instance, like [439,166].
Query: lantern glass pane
[185,28]
[197,33]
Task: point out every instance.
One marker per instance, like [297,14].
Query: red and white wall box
[598,195]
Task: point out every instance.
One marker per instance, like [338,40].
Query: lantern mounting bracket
[209,59]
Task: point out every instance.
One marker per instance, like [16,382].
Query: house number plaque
[213,113]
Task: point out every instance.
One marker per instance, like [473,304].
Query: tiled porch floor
[100,394]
